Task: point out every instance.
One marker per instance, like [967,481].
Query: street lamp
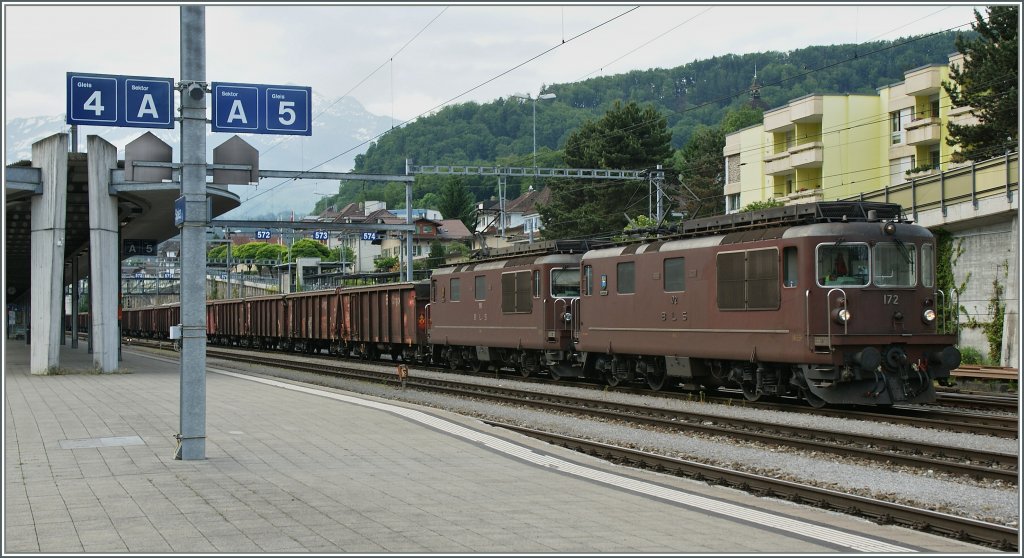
[228,234]
[545,97]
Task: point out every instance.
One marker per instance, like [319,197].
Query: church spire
[755,92]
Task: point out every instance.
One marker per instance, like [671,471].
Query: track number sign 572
[262,109]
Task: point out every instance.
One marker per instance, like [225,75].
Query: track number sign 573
[262,109]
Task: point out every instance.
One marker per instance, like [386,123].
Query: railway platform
[89,468]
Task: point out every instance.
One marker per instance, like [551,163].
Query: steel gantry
[655,177]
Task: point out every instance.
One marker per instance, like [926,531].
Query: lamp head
[196,91]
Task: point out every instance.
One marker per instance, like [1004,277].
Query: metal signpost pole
[192,435]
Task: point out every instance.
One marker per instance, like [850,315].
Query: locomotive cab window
[895,264]
[588,280]
[843,265]
[565,282]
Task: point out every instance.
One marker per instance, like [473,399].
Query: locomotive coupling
[895,358]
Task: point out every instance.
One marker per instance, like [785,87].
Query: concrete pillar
[1011,316]
[75,276]
[103,253]
[49,214]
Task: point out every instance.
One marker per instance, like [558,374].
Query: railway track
[999,466]
[981,418]
[975,464]
[887,513]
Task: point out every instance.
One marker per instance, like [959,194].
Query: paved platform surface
[289,469]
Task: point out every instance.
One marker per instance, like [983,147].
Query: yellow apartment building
[826,147]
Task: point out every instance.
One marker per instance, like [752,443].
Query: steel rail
[887,513]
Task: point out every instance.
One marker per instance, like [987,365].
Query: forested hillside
[699,93]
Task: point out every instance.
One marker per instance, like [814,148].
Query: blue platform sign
[263,234]
[122,101]
[262,109]
[179,211]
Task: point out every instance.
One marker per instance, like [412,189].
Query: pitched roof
[383,216]
[527,202]
[453,229]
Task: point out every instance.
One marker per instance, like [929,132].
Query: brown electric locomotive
[508,312]
[834,302]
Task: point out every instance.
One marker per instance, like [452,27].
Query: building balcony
[923,81]
[924,131]
[804,196]
[733,145]
[921,173]
[778,120]
[778,163]
[807,109]
[808,155]
[963,116]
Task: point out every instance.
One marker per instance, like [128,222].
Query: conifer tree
[627,137]
[987,82]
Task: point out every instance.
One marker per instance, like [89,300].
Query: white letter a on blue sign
[237,112]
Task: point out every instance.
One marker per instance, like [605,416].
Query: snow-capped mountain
[341,130]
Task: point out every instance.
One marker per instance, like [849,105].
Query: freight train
[834,302]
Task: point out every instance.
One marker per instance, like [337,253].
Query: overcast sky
[402,61]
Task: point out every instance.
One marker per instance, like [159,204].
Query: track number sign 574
[262,109]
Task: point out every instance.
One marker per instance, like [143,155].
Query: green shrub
[970,355]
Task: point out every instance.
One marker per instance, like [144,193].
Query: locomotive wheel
[454,360]
[655,378]
[524,371]
[813,400]
[750,392]
[476,365]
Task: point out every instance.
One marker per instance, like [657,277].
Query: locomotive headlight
[841,315]
[928,316]
[889,228]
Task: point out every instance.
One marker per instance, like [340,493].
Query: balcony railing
[808,155]
[778,163]
[989,179]
[923,131]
